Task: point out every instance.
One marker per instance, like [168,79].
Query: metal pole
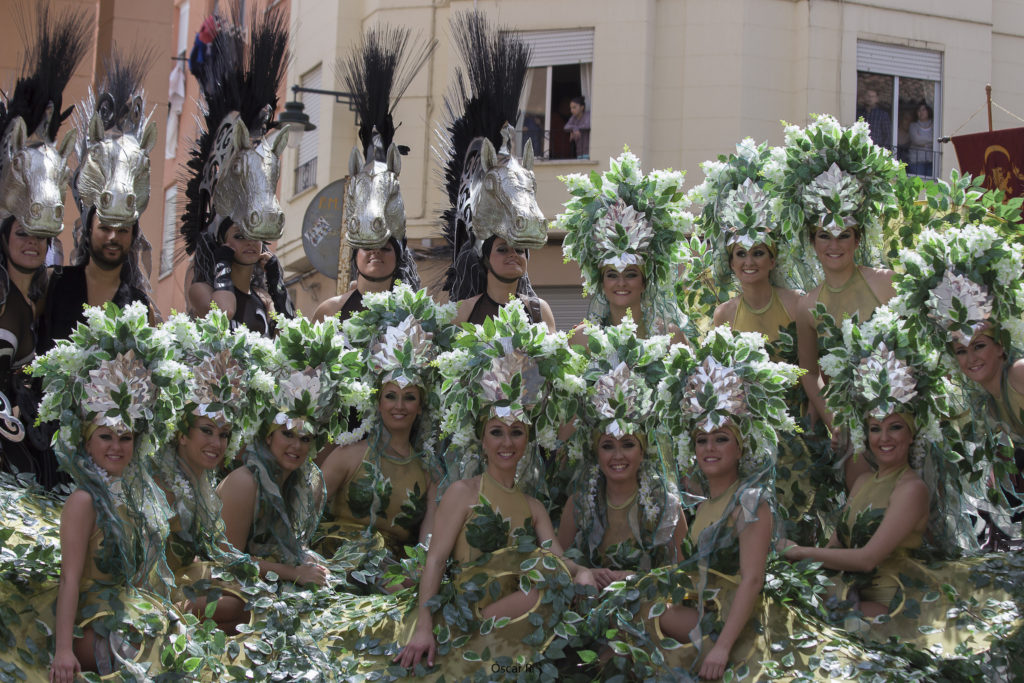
[988,98]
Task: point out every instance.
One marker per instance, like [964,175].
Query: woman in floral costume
[273,503]
[748,242]
[962,290]
[723,402]
[624,515]
[833,184]
[384,488]
[104,386]
[221,367]
[502,388]
[889,388]
[625,232]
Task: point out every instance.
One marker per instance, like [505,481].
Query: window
[898,94]
[305,164]
[170,232]
[176,91]
[560,70]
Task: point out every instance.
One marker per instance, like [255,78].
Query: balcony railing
[920,161]
[548,144]
[305,176]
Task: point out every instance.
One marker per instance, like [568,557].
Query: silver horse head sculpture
[113,171]
[373,211]
[240,177]
[498,195]
[34,177]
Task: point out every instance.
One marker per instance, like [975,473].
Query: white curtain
[586,69]
[523,99]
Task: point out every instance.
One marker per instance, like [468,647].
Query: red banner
[998,155]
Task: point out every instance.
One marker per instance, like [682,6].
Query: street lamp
[297,120]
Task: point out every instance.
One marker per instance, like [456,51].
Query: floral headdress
[738,210]
[621,218]
[318,377]
[832,177]
[400,333]
[728,379]
[882,367]
[225,372]
[112,372]
[621,378]
[510,369]
[959,281]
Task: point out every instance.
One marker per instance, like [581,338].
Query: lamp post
[296,119]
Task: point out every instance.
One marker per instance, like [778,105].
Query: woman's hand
[714,664]
[587,577]
[784,547]
[311,572]
[422,643]
[65,667]
[605,577]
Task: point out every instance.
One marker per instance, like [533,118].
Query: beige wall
[679,81]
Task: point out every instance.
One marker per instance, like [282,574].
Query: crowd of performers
[780,446]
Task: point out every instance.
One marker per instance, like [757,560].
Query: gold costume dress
[28,601]
[487,565]
[713,544]
[768,320]
[794,476]
[1009,409]
[949,608]
[855,296]
[381,507]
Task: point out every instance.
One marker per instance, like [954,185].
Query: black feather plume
[54,49]
[484,96]
[123,80]
[243,76]
[377,73]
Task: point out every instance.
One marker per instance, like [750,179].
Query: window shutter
[567,304]
[552,48]
[170,231]
[311,101]
[897,60]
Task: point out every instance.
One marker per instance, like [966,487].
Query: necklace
[845,286]
[762,310]
[506,489]
[623,506]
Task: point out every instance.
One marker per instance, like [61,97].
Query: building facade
[678,81]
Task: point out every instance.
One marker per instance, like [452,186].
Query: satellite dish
[321,228]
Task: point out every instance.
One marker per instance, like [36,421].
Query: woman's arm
[754,542]
[76,524]
[678,537]
[238,495]
[453,509]
[427,526]
[465,308]
[908,505]
[201,295]
[567,526]
[724,313]
[548,316]
[807,355]
[341,464]
[1016,377]
[546,532]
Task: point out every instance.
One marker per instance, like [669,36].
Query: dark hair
[37,286]
[931,112]
[580,100]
